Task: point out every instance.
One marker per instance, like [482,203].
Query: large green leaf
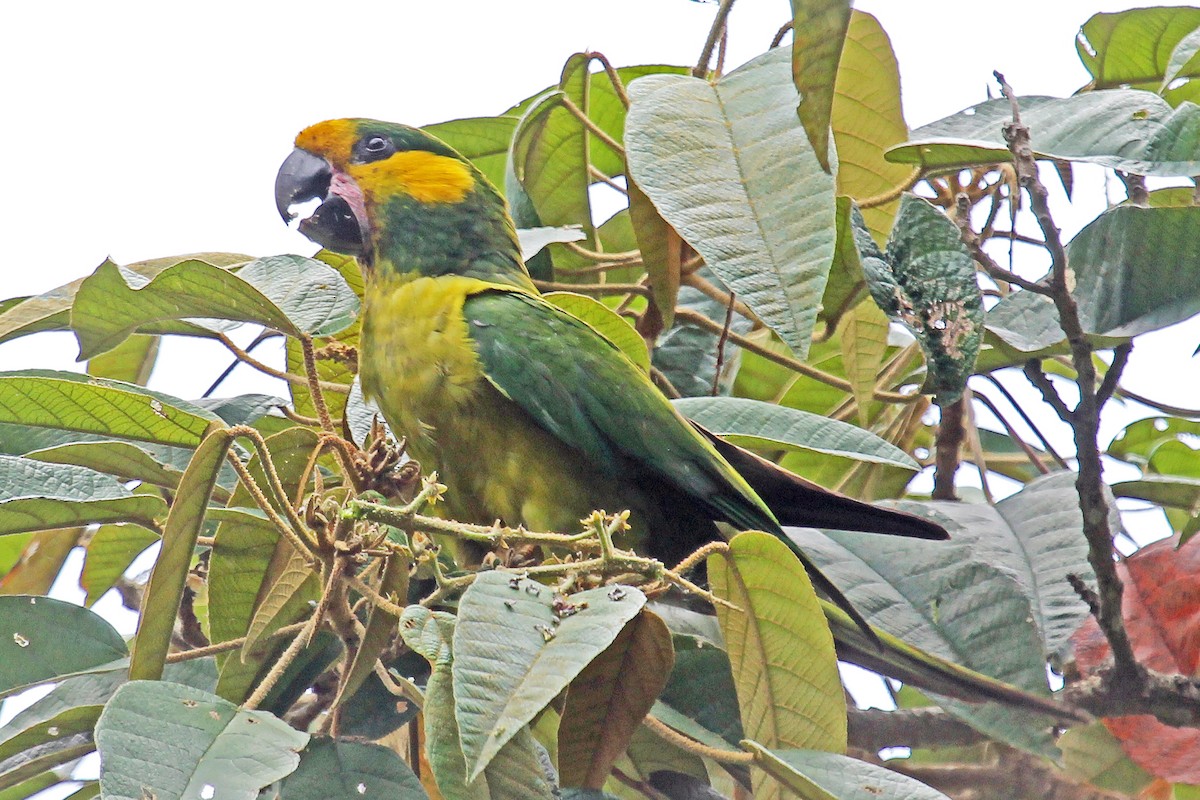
[517,645]
[1140,48]
[816,775]
[171,742]
[753,423]
[51,310]
[516,772]
[36,496]
[1136,270]
[160,603]
[291,294]
[1041,543]
[780,648]
[120,459]
[131,361]
[334,769]
[729,167]
[42,639]
[818,34]
[1124,129]
[939,597]
[926,281]
[73,402]
[868,119]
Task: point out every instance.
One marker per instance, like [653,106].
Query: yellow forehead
[332,139]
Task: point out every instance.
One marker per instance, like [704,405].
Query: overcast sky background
[135,130]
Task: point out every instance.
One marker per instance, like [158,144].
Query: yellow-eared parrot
[528,414]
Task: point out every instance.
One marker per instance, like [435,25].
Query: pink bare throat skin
[347,188]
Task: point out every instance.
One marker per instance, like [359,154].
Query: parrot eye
[373,148]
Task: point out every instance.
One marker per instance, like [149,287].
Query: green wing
[578,386]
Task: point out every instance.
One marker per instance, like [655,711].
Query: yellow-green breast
[419,365]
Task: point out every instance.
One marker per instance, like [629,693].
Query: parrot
[531,416]
[526,412]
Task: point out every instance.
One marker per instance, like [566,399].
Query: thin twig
[295,380]
[725,298]
[1012,401]
[1113,375]
[690,745]
[777,39]
[294,535]
[714,34]
[1026,448]
[716,387]
[1041,382]
[592,127]
[611,182]
[314,383]
[613,77]
[594,288]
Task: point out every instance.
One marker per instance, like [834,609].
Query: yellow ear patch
[424,176]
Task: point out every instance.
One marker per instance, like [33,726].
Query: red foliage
[1162,614]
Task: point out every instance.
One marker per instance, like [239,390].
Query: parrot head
[399,200]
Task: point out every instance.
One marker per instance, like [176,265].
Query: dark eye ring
[377,144]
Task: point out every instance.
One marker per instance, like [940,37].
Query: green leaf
[483,140]
[608,700]
[1123,129]
[292,294]
[926,282]
[69,401]
[1093,755]
[171,741]
[160,603]
[131,361]
[943,599]
[333,769]
[662,251]
[1163,490]
[1138,441]
[36,496]
[729,167]
[42,639]
[291,589]
[817,775]
[1124,283]
[515,772]
[1040,543]
[753,423]
[613,327]
[818,34]
[867,119]
[864,340]
[41,561]
[516,646]
[701,689]
[1137,47]
[548,163]
[120,459]
[110,551]
[51,310]
[59,728]
[779,646]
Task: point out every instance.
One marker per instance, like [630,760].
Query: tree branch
[1085,419]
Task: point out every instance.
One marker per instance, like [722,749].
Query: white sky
[144,129]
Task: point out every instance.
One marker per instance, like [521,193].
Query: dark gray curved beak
[302,177]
